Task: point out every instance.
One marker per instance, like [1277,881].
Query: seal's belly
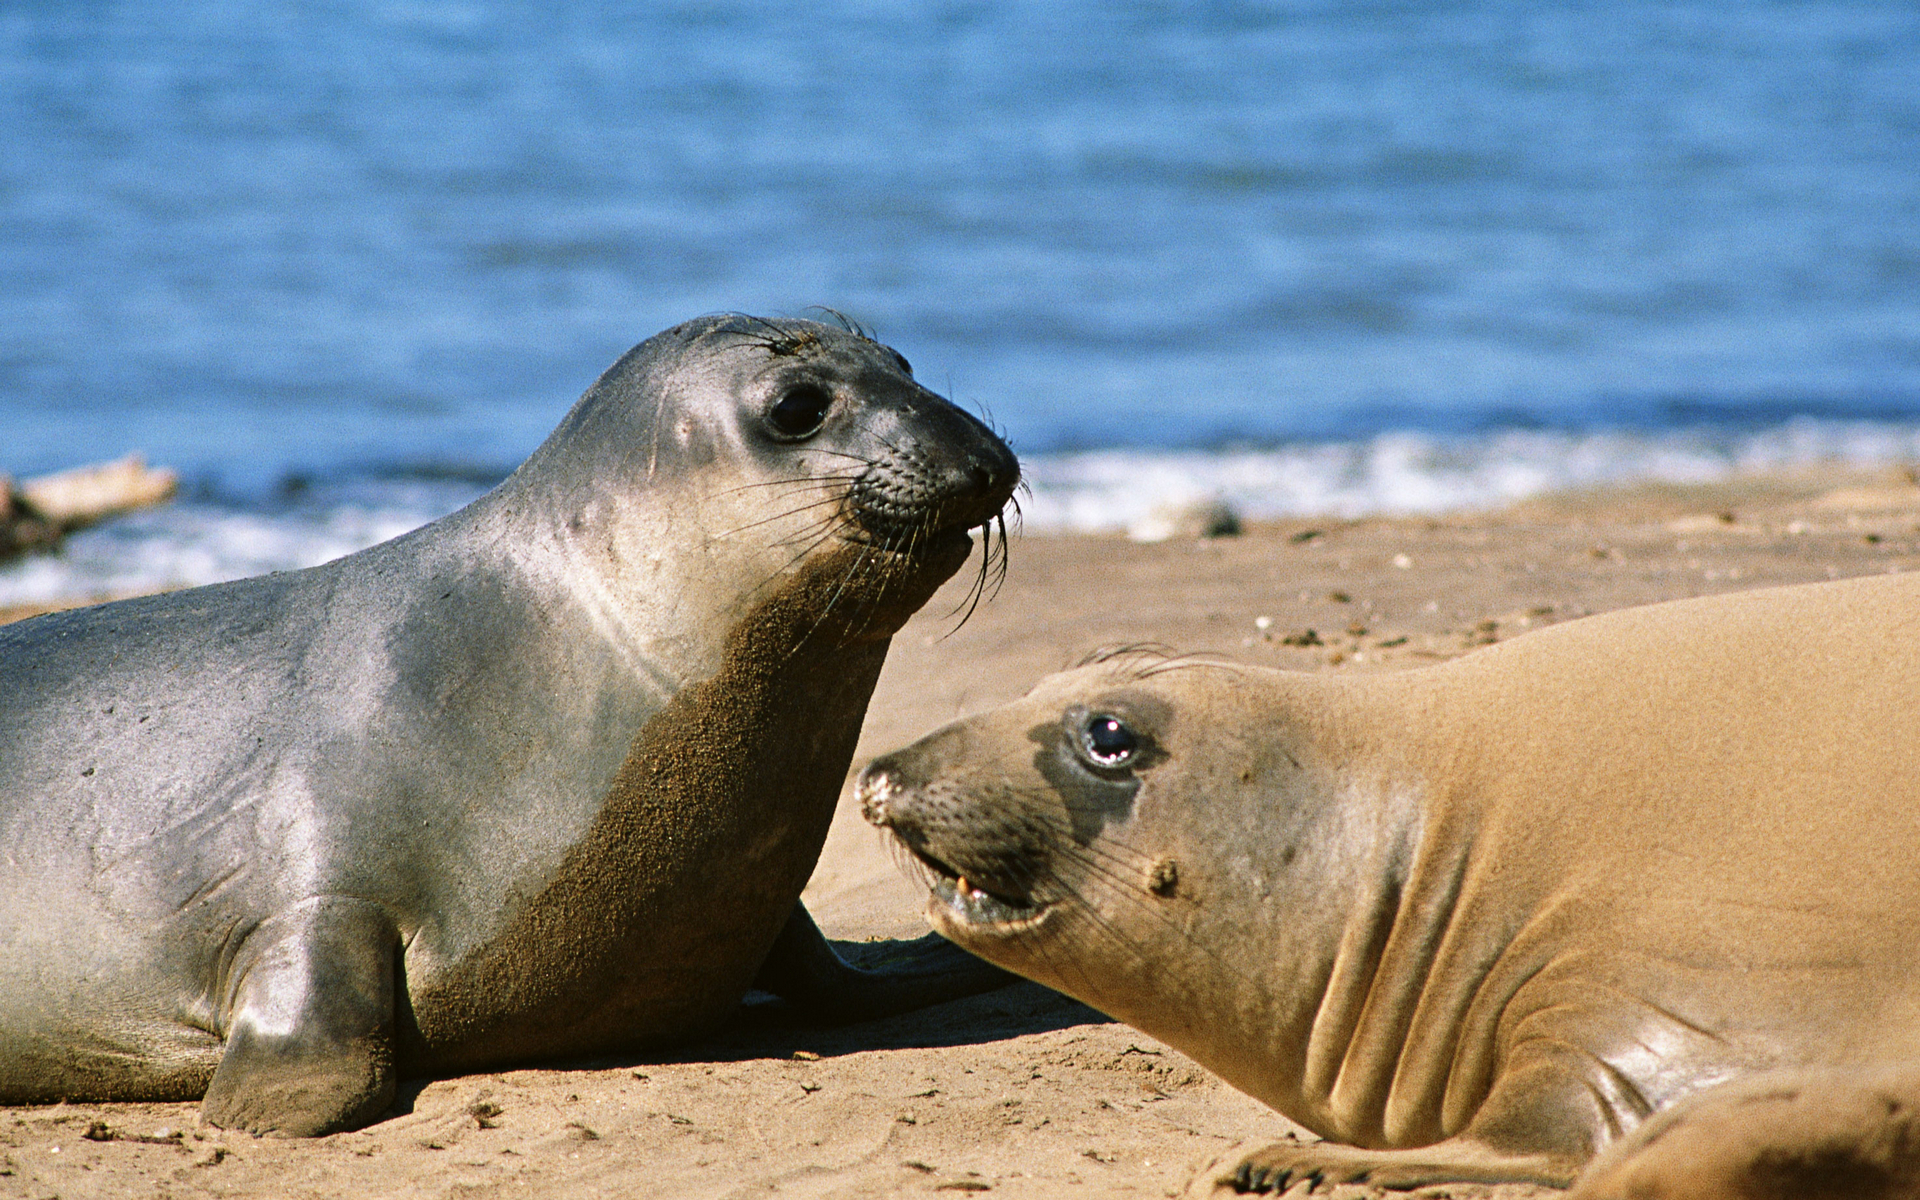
[106,1057]
[94,1004]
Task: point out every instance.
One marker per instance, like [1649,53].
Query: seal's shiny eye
[1107,740]
[799,411]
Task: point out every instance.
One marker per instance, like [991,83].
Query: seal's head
[1155,836]
[796,454]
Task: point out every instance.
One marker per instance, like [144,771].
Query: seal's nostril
[873,790]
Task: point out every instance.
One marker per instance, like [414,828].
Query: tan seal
[1476,921]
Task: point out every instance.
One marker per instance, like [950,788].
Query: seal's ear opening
[799,412]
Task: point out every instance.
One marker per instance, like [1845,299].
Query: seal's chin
[954,543]
[938,549]
[967,903]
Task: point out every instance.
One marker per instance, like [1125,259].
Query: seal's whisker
[775,340]
[1106,923]
[1190,661]
[1150,652]
[830,516]
[826,522]
[887,565]
[1122,856]
[919,871]
[796,510]
[891,568]
[968,602]
[853,572]
[1121,869]
[816,534]
[862,459]
[1013,502]
[829,531]
[1127,887]
[1107,927]
[899,552]
[978,590]
[995,556]
[1128,892]
[893,564]
[818,483]
[1038,946]
[1114,870]
[846,576]
[779,516]
[1006,554]
[1144,660]
[811,479]
[841,319]
[1118,854]
[828,534]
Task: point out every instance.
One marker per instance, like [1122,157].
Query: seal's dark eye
[799,410]
[1107,740]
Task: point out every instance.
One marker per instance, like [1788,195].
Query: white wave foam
[196,542]
[1404,473]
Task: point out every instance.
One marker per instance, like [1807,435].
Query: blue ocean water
[342,265]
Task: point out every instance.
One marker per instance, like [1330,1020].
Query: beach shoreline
[1020,1093]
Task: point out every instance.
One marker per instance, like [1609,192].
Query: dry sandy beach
[1020,1093]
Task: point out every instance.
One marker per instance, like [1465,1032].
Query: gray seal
[541,779]
[1476,921]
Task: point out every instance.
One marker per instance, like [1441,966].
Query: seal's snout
[943,471]
[992,471]
[872,790]
[992,474]
[980,853]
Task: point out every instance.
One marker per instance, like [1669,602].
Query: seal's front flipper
[804,970]
[310,1023]
[1271,1170]
[1849,1132]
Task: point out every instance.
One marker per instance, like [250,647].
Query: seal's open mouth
[992,889]
[969,901]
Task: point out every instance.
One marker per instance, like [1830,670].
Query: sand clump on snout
[1478,922]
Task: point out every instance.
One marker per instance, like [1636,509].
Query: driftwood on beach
[35,514]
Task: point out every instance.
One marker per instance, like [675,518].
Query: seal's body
[542,778]
[1473,921]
